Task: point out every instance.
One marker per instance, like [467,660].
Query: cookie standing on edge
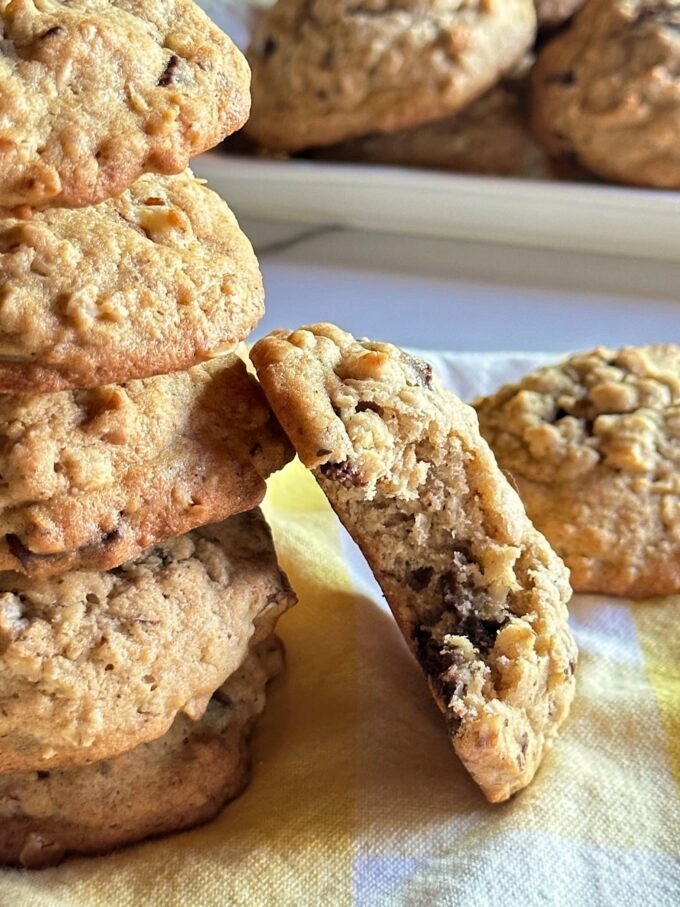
[593,444]
[93,95]
[149,283]
[477,592]
[325,72]
[176,782]
[94,664]
[607,91]
[92,477]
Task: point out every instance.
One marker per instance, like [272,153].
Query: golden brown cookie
[607,91]
[593,445]
[491,136]
[156,281]
[92,477]
[94,94]
[478,593]
[325,72]
[173,783]
[94,664]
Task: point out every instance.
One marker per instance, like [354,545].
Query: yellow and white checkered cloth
[357,797]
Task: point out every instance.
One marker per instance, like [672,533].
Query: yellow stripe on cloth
[658,625]
[289,838]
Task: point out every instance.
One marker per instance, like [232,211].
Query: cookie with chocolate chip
[94,664]
[326,72]
[92,477]
[93,95]
[607,92]
[593,445]
[152,282]
[478,593]
[173,783]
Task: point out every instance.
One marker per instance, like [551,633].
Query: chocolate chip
[346,473]
[269,47]
[168,76]
[42,776]
[423,371]
[53,32]
[17,548]
[322,452]
[419,577]
[562,78]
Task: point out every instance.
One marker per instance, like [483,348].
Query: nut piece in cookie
[477,592]
[94,664]
[593,445]
[92,477]
[325,72]
[152,282]
[173,783]
[606,92]
[93,95]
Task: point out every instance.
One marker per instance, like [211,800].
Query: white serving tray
[552,215]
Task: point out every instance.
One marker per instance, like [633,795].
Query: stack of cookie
[139,587]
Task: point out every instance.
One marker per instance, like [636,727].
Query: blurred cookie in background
[327,72]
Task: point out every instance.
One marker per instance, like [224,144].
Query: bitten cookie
[593,444]
[491,136]
[94,664]
[178,781]
[478,593]
[325,72]
[92,477]
[94,94]
[607,91]
[153,282]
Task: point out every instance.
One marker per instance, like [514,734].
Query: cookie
[478,593]
[554,12]
[93,95]
[176,782]
[153,282]
[92,477]
[491,136]
[326,72]
[593,445]
[607,92]
[94,664]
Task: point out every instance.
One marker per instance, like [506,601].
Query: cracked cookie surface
[92,477]
[94,664]
[593,444]
[94,93]
[327,71]
[478,593]
[152,282]
[173,783]
[607,91]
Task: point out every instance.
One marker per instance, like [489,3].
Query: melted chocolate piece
[168,76]
[346,473]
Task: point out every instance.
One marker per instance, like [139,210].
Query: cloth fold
[357,797]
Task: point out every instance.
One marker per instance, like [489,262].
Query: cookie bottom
[168,785]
